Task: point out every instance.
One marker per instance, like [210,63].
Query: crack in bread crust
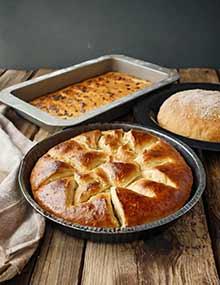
[111,179]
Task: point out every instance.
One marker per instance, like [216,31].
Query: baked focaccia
[78,98]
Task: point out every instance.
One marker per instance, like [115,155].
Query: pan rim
[198,168]
[51,122]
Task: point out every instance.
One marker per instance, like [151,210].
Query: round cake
[111,179]
[192,113]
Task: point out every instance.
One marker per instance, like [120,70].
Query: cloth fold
[21,227]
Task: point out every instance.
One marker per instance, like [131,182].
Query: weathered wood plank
[198,75]
[212,193]
[212,163]
[59,259]
[70,249]
[29,130]
[180,255]
[212,201]
[111,264]
[11,77]
[59,252]
[42,71]
[7,79]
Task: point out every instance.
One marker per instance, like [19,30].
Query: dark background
[60,33]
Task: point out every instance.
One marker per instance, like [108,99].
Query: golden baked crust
[192,113]
[111,179]
[89,94]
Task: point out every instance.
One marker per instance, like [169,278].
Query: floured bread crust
[192,113]
[76,99]
[111,179]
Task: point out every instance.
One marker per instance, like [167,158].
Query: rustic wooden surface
[186,253]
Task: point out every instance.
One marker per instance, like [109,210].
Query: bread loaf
[192,113]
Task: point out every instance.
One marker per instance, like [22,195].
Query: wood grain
[58,260]
[42,71]
[114,263]
[198,75]
[55,246]
[59,252]
[11,77]
[29,130]
[212,164]
[180,255]
[7,79]
[212,201]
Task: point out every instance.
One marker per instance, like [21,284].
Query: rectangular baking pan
[19,95]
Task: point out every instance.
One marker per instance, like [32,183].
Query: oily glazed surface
[90,94]
[111,179]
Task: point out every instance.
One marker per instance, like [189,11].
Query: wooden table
[186,253]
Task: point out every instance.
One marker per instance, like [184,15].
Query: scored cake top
[111,178]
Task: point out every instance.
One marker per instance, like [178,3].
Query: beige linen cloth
[20,226]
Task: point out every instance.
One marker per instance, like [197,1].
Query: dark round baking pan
[111,234]
[145,112]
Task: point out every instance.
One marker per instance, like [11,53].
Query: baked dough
[111,178]
[89,94]
[192,113]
